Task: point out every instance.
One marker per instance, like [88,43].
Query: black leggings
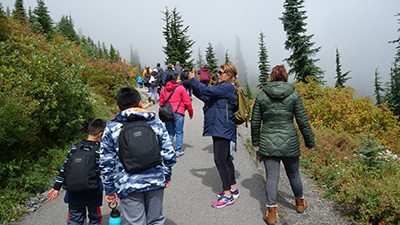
[223,161]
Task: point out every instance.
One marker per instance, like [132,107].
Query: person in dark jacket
[218,123]
[274,134]
[80,204]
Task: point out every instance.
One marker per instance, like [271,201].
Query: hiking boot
[270,216]
[179,154]
[234,193]
[223,201]
[301,205]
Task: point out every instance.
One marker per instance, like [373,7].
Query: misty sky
[361,29]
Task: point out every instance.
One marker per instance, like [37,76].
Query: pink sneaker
[234,193]
[223,201]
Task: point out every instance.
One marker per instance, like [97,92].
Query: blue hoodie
[116,179]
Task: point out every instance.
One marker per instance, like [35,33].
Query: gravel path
[195,181]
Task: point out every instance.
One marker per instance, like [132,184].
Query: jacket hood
[137,112]
[279,89]
[171,85]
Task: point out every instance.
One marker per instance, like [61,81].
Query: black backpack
[166,112]
[138,146]
[80,170]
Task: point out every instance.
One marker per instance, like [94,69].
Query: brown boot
[270,216]
[301,205]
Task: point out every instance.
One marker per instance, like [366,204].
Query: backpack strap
[165,102]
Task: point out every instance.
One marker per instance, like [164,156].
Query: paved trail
[195,181]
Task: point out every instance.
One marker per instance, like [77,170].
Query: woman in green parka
[274,134]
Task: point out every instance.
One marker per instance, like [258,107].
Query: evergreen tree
[44,19]
[4,29]
[212,62]
[394,92]
[114,57]
[34,25]
[135,59]
[240,64]
[248,89]
[263,63]
[341,78]
[301,60]
[227,59]
[178,48]
[200,61]
[19,11]
[378,88]
[66,29]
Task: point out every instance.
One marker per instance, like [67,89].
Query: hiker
[178,68]
[139,81]
[90,201]
[146,71]
[180,101]
[167,72]
[275,136]
[140,193]
[205,75]
[218,123]
[153,85]
[186,81]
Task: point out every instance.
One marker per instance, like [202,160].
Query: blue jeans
[176,128]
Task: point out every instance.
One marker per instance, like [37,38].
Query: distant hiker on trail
[139,81]
[275,136]
[218,123]
[146,71]
[80,200]
[154,81]
[159,68]
[205,75]
[135,179]
[180,101]
[186,81]
[167,72]
[178,68]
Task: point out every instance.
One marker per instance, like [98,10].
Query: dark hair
[96,126]
[158,64]
[128,97]
[278,74]
[174,76]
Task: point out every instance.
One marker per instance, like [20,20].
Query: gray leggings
[272,168]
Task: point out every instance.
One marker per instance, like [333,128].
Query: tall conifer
[378,88]
[341,78]
[263,63]
[394,93]
[178,44]
[66,28]
[44,19]
[19,11]
[301,61]
[212,62]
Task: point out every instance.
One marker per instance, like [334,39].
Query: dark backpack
[138,145]
[166,112]
[80,171]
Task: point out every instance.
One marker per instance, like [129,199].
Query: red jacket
[179,93]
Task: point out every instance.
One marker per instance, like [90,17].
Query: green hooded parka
[275,107]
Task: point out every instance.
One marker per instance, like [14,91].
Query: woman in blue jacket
[220,103]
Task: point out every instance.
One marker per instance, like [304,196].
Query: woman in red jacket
[180,101]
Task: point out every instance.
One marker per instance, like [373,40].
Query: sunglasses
[220,72]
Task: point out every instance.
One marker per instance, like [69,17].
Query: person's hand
[191,75]
[112,199]
[191,116]
[167,184]
[53,193]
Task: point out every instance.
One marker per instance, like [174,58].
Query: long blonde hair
[232,72]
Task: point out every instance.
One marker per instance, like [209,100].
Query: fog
[360,29]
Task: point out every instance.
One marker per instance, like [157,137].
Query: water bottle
[115,215]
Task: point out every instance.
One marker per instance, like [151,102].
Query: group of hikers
[134,152]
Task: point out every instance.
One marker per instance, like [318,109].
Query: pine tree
[341,78]
[239,62]
[4,29]
[394,92]
[227,59]
[135,59]
[66,29]
[178,48]
[301,60]
[19,11]
[114,57]
[378,88]
[263,63]
[44,19]
[200,61]
[212,62]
